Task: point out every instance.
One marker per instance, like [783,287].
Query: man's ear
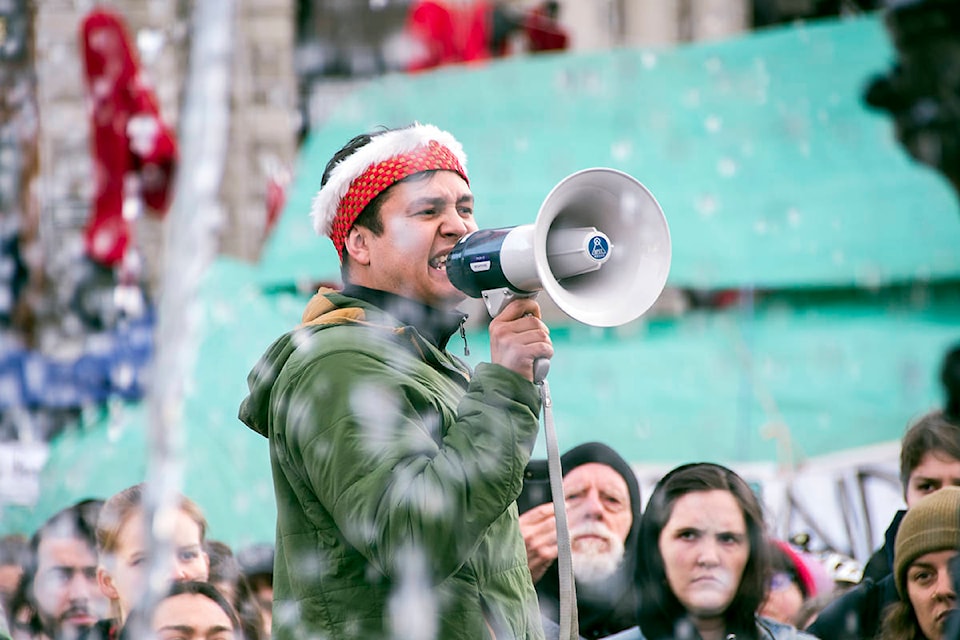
[358,245]
[105,582]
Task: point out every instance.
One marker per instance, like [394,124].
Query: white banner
[20,467]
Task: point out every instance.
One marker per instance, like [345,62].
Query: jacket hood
[354,305]
[326,308]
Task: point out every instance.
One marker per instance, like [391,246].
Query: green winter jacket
[395,474]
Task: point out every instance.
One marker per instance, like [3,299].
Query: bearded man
[602,499]
[58,589]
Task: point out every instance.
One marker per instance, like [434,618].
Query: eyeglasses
[780,580]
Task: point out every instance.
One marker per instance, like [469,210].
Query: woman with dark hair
[702,569]
[189,609]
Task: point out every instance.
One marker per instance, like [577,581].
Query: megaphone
[600,248]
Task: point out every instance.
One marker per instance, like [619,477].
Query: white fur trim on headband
[380,148]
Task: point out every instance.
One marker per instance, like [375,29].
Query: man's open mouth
[440,262]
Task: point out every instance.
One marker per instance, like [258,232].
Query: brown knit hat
[932,524]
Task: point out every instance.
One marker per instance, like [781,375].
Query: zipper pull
[463,335]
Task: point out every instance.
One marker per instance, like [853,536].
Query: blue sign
[599,248]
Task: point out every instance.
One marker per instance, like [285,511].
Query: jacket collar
[435,325]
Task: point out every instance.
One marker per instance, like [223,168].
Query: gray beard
[594,568]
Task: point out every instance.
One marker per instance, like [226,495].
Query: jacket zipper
[463,335]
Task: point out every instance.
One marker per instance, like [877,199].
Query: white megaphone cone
[600,248]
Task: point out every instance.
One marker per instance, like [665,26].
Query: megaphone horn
[600,248]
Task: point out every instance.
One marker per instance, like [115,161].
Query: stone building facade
[55,302]
[262,118]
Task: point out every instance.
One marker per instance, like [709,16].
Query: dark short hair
[660,610]
[931,432]
[226,570]
[223,562]
[256,561]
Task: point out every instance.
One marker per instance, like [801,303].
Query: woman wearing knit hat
[927,541]
[795,578]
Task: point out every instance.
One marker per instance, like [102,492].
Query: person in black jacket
[926,547]
[602,500]
[929,461]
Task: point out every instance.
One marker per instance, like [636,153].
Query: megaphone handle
[541,367]
[496,300]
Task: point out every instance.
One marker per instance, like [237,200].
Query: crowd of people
[699,561]
[85,574]
[407,502]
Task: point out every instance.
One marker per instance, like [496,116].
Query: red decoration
[449,34]
[431,25]
[381,175]
[544,32]
[277,183]
[130,139]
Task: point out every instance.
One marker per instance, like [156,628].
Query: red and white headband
[386,159]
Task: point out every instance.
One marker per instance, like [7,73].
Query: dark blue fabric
[112,364]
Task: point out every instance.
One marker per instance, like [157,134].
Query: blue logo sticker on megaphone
[599,247]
